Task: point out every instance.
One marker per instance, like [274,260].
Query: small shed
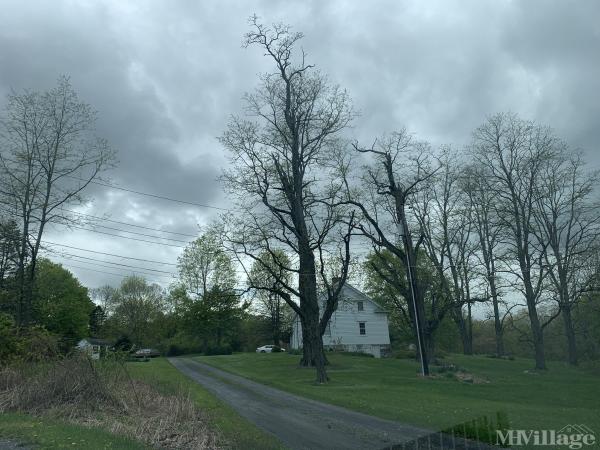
[93,347]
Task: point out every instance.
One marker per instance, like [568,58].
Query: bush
[31,344]
[103,394]
[276,349]
[366,355]
[218,350]
[447,368]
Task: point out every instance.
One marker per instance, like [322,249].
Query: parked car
[146,353]
[269,349]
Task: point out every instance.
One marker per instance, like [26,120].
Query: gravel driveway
[302,423]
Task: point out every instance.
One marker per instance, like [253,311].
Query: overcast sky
[165,76]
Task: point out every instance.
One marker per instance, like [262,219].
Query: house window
[362,328]
[361,306]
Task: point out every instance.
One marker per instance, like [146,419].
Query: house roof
[364,296]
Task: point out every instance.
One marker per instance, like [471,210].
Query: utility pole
[404,236]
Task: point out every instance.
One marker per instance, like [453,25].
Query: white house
[358,325]
[93,347]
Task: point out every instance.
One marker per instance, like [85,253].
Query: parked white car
[268,349]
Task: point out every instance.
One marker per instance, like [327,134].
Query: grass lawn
[390,388]
[239,433]
[51,434]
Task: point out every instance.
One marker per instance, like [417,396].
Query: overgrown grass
[51,434]
[102,395]
[390,388]
[236,431]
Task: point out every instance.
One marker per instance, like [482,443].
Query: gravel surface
[302,423]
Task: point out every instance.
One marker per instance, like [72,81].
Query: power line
[107,273]
[130,224]
[138,234]
[125,237]
[137,272]
[70,256]
[162,197]
[110,254]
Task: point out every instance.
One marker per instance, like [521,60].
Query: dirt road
[302,423]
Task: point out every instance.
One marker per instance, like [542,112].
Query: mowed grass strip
[48,434]
[237,431]
[390,388]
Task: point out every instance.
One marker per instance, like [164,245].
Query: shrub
[31,344]
[103,394]
[447,368]
[366,355]
[218,350]
[276,349]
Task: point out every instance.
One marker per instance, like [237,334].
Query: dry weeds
[103,395]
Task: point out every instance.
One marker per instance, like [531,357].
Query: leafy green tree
[9,242]
[205,266]
[97,320]
[61,303]
[387,284]
[216,320]
[139,308]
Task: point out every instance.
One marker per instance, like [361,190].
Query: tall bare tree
[49,154]
[569,221]
[282,159]
[514,153]
[488,230]
[397,167]
[444,214]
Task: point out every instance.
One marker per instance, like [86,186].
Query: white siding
[344,325]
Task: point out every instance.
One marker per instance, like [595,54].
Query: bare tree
[398,167]
[444,214]
[48,156]
[488,230]
[105,296]
[265,286]
[282,173]
[569,221]
[514,153]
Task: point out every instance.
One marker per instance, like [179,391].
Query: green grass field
[53,435]
[239,433]
[390,388]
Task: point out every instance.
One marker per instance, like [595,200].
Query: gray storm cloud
[165,77]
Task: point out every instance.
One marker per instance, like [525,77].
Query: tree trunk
[461,324]
[538,336]
[498,327]
[469,348]
[313,354]
[570,334]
